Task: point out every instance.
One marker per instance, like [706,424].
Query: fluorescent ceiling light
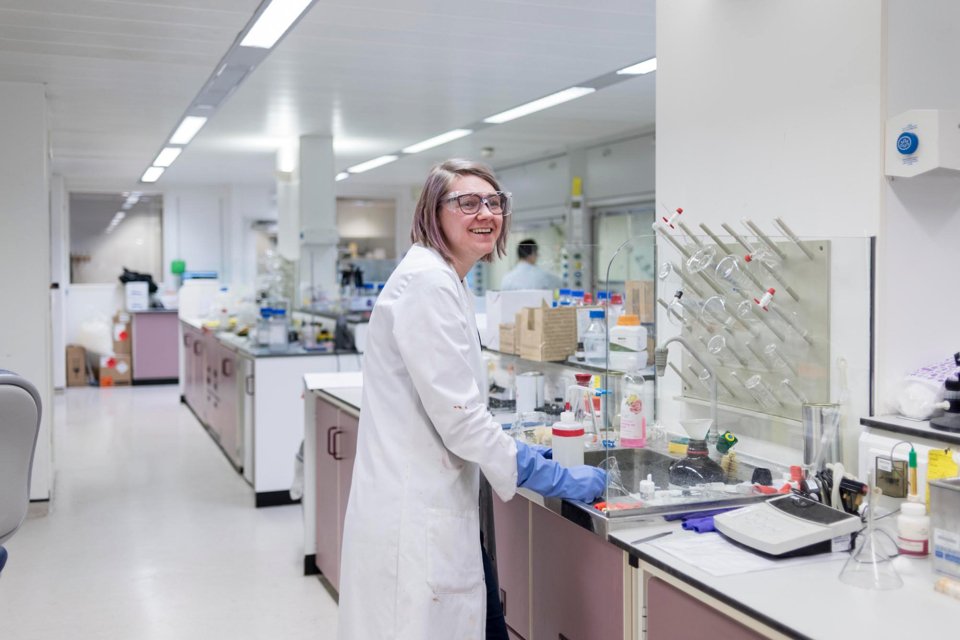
[371,164]
[152,174]
[538,105]
[436,141]
[343,175]
[273,23]
[187,129]
[166,157]
[639,69]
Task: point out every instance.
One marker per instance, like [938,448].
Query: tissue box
[548,334]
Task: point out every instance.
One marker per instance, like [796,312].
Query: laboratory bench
[248,398]
[561,576]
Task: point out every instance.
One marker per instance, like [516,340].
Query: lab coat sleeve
[434,340]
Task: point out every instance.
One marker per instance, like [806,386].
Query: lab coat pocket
[453,550]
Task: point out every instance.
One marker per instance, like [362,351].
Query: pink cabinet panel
[511,520]
[155,346]
[671,613]
[577,581]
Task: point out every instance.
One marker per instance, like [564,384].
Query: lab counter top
[154,311]
[910,428]
[807,600]
[243,345]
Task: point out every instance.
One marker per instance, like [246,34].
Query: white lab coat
[411,566]
[529,276]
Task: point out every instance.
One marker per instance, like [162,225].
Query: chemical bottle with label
[595,340]
[633,421]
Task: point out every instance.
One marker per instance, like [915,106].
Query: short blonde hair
[426,224]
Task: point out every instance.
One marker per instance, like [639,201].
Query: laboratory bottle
[616,308]
[633,422]
[577,297]
[564,299]
[913,530]
[628,344]
[278,328]
[595,340]
[263,327]
[568,441]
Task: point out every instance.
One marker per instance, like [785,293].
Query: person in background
[412,563]
[527,275]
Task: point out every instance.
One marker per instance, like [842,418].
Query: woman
[411,559]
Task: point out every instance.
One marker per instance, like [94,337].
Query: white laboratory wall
[621,171]
[917,305]
[193,224]
[25,326]
[244,205]
[59,276]
[773,108]
[540,189]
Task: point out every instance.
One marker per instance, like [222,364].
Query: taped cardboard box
[115,371]
[548,334]
[122,342]
[640,299]
[76,366]
[508,335]
[501,306]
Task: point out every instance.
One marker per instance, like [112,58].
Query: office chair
[19,425]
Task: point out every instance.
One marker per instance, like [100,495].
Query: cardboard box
[137,295]
[502,306]
[640,299]
[122,342]
[548,334]
[115,371]
[76,366]
[508,338]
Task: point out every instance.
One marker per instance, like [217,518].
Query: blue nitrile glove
[552,480]
[700,525]
[543,450]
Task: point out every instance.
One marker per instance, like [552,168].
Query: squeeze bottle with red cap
[568,441]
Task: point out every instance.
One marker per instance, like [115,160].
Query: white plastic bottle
[633,421]
[595,340]
[568,441]
[628,344]
[913,530]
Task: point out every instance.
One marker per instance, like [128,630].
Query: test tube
[776,360]
[761,392]
[714,314]
[788,386]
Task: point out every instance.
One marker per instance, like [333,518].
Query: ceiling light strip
[152,174]
[436,141]
[639,69]
[372,164]
[539,105]
[274,22]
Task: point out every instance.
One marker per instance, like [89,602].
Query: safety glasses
[498,202]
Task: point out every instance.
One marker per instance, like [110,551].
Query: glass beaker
[821,435]
[732,276]
[714,315]
[776,360]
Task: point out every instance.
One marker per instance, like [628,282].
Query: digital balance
[788,525]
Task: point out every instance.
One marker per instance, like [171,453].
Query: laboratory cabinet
[250,402]
[671,613]
[336,449]
[511,521]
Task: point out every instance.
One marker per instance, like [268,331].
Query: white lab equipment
[922,140]
[628,344]
[529,391]
[137,296]
[568,441]
[786,525]
[913,530]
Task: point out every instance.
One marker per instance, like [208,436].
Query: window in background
[549,236]
[110,231]
[611,227]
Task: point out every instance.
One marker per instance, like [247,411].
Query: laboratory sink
[626,508]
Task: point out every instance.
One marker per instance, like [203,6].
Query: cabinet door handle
[227,367]
[336,454]
[330,440]
[503,602]
[248,385]
[186,340]
[197,347]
